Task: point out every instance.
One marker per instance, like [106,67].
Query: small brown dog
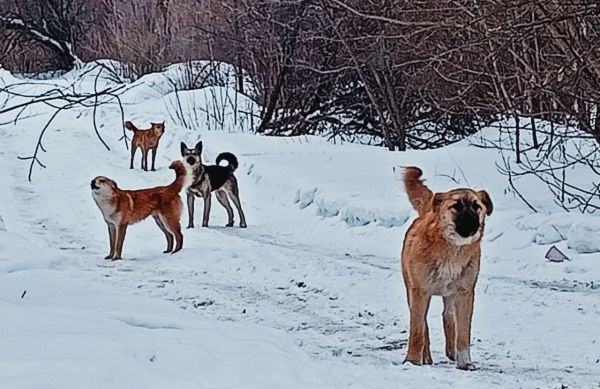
[441,257]
[146,140]
[121,208]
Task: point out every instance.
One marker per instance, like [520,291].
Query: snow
[309,295]
[583,236]
[61,331]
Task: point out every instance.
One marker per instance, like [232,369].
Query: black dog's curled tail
[230,158]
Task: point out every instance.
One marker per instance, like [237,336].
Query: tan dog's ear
[437,200]
[487,201]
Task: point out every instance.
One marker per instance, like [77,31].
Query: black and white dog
[212,178]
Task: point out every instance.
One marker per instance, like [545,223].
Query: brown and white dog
[440,257]
[146,140]
[121,208]
[212,178]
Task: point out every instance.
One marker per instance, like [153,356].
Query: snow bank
[583,236]
[354,213]
[212,108]
[579,231]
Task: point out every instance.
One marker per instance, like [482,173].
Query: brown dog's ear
[487,201]
[173,164]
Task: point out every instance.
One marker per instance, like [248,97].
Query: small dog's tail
[418,193]
[181,173]
[230,158]
[129,125]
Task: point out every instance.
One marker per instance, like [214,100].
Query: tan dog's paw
[451,354]
[419,360]
[414,361]
[466,366]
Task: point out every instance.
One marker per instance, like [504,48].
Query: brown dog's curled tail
[419,194]
[129,125]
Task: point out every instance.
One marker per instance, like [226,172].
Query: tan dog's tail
[418,193]
[129,125]
[180,176]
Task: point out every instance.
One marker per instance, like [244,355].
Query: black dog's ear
[183,148]
[199,147]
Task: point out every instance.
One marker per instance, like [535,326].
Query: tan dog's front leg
[449,318]
[418,304]
[120,237]
[111,237]
[464,314]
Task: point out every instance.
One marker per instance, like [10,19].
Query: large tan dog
[441,257]
[121,208]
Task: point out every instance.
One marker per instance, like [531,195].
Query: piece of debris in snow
[555,255]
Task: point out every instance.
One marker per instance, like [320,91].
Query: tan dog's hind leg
[464,314]
[449,318]
[168,235]
[120,237]
[222,197]
[112,232]
[418,303]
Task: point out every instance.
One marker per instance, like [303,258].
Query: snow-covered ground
[310,295]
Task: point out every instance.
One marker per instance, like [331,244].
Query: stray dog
[441,257]
[209,178]
[146,140]
[121,208]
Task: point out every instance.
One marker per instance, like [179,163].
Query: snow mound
[354,213]
[181,77]
[583,236]
[212,108]
[579,231]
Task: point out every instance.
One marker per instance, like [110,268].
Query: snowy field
[310,295]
